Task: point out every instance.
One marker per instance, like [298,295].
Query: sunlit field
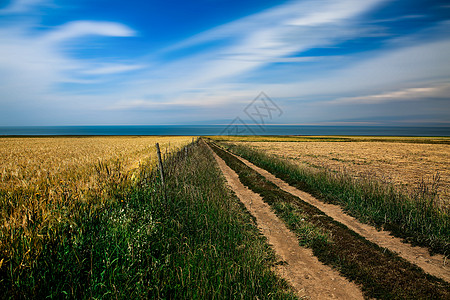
[59,172]
[91,218]
[408,163]
[45,181]
[34,171]
[398,183]
[380,274]
[26,161]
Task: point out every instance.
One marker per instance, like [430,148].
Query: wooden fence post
[161,170]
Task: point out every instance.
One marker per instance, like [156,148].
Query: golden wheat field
[403,164]
[26,161]
[45,181]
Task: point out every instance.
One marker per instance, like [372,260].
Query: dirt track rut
[309,277]
[435,265]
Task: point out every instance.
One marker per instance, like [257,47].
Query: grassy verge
[415,218]
[381,273]
[197,241]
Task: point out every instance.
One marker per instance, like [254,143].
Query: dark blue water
[225,130]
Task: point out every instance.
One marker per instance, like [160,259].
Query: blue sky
[348,62]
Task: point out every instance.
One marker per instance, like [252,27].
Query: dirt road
[435,265]
[309,277]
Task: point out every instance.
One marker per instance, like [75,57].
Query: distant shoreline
[213,130]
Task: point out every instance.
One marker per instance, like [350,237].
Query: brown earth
[435,265]
[309,277]
[403,164]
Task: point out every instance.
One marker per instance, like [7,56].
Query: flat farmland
[52,176]
[91,217]
[405,164]
[26,161]
[363,257]
[46,182]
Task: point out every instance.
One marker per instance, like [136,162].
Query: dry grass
[406,165]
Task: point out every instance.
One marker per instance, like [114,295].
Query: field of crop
[39,174]
[409,165]
[90,217]
[45,181]
[25,161]
[420,214]
[331,138]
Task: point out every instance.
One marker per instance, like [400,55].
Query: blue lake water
[223,130]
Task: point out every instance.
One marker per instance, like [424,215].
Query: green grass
[197,242]
[413,217]
[381,273]
[307,232]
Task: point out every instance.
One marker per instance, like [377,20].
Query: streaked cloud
[276,34]
[273,36]
[400,66]
[292,51]
[84,28]
[104,69]
[409,94]
[19,6]
[32,64]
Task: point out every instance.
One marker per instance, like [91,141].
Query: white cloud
[31,65]
[335,11]
[19,6]
[105,69]
[408,94]
[271,36]
[392,69]
[274,34]
[83,28]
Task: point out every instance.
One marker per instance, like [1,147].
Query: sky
[321,62]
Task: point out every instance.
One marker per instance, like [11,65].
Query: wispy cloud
[32,64]
[214,78]
[276,35]
[83,28]
[220,69]
[397,67]
[20,6]
[409,94]
[104,69]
